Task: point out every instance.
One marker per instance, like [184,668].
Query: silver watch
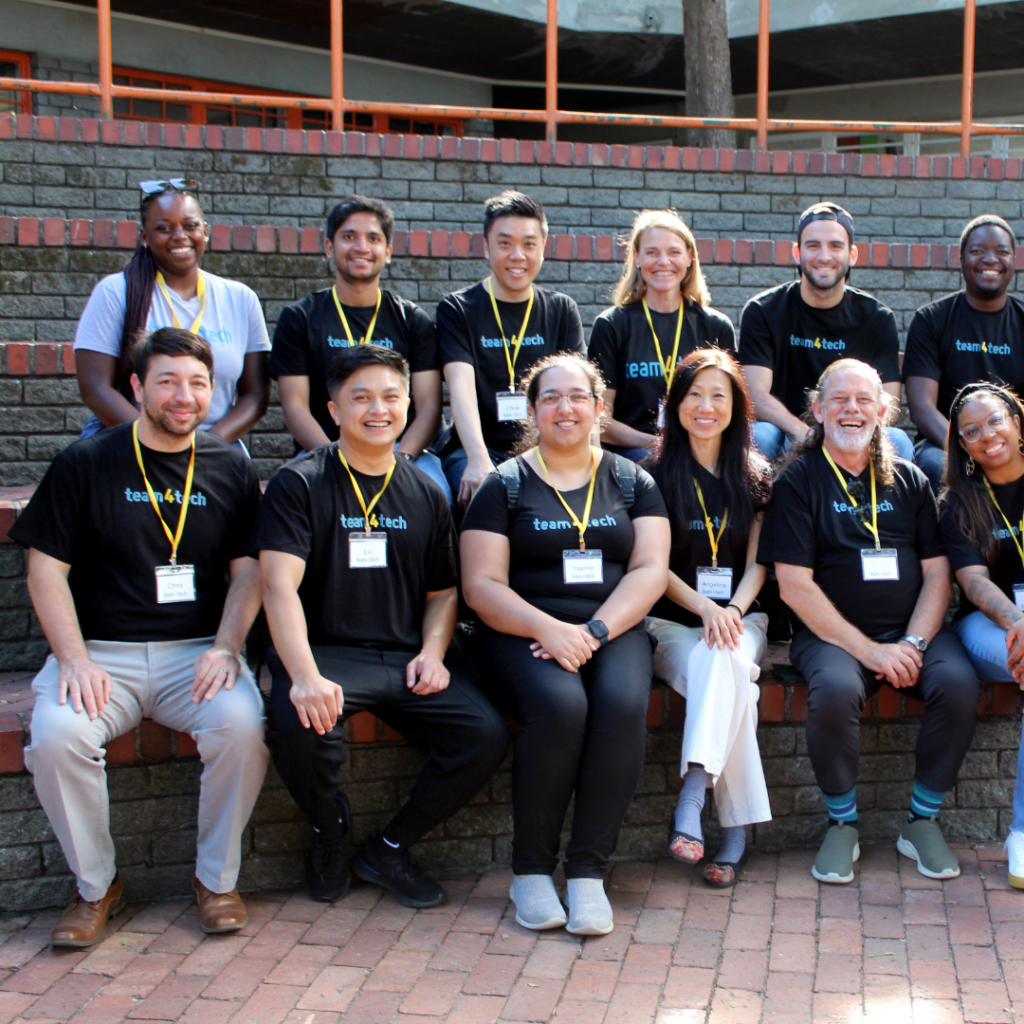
[917,641]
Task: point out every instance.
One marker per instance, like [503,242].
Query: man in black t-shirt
[974,334]
[790,333]
[491,333]
[353,311]
[139,576]
[357,553]
[854,537]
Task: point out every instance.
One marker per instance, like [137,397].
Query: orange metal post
[762,75]
[106,60]
[551,72]
[337,70]
[967,98]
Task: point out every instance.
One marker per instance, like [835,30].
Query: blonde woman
[662,312]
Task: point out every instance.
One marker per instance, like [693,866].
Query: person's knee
[902,443]
[559,710]
[835,696]
[768,439]
[233,721]
[58,731]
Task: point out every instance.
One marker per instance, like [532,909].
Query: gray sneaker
[922,840]
[837,854]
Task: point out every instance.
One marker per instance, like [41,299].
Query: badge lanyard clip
[344,321]
[174,538]
[517,340]
[667,368]
[200,294]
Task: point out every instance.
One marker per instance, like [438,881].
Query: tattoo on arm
[988,598]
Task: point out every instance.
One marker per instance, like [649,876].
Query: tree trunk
[708,70]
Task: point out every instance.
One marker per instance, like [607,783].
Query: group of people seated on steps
[619,510]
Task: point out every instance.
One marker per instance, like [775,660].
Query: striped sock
[842,807]
[925,802]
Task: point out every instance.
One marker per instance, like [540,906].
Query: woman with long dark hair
[709,643]
[564,551]
[162,286]
[981,513]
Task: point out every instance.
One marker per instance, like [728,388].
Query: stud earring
[970,466]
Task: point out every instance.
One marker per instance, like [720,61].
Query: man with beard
[974,334]
[138,573]
[854,537]
[790,333]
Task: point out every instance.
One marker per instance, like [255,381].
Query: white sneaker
[537,903]
[1014,849]
[590,913]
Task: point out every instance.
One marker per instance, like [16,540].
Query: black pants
[465,737]
[581,731]
[838,686]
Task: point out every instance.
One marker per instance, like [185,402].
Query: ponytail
[139,280]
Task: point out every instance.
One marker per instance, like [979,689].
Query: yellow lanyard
[517,341]
[200,294]
[667,368]
[873,528]
[367,509]
[991,494]
[344,323]
[580,525]
[712,539]
[174,538]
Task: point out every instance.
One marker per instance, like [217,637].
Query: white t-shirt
[233,324]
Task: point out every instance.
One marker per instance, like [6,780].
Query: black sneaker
[380,863]
[328,876]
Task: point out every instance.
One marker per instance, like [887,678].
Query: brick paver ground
[892,948]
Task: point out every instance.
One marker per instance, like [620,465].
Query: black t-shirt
[310,509]
[622,346]
[691,549]
[952,342]
[808,522]
[468,333]
[797,342]
[539,531]
[309,334]
[92,512]
[1008,568]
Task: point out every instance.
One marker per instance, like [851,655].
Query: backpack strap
[625,477]
[509,473]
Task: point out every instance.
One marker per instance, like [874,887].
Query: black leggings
[581,731]
[838,687]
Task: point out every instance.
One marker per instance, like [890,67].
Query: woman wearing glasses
[710,645]
[662,312]
[162,286]
[981,513]
[564,551]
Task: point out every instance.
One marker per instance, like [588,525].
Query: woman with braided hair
[162,286]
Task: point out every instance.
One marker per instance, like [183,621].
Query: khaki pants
[153,680]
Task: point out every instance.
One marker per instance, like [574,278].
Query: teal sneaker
[836,857]
[922,841]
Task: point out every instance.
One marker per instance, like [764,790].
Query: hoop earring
[1020,446]
[970,466]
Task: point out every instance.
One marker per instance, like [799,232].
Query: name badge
[1018,595]
[511,407]
[714,583]
[583,566]
[367,551]
[175,583]
[880,565]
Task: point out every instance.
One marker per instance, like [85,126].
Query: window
[15,65]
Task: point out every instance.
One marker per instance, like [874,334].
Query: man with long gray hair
[853,534]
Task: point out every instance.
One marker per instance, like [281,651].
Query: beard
[165,423]
[825,280]
[850,443]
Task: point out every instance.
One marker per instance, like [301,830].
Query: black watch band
[598,630]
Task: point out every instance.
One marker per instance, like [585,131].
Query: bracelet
[737,607]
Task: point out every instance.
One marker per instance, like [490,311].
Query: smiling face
[850,409]
[565,423]
[359,248]
[175,396]
[998,443]
[663,259]
[514,247]
[988,262]
[371,407]
[175,232]
[706,409]
[825,254]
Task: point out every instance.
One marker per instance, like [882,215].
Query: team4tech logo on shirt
[882,506]
[171,497]
[376,522]
[564,524]
[820,343]
[343,342]
[984,346]
[530,339]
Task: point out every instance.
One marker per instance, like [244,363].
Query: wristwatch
[598,630]
[917,641]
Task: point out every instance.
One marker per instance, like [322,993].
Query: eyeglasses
[552,398]
[152,188]
[973,431]
[858,492]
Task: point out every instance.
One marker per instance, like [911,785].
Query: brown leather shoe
[84,922]
[219,911]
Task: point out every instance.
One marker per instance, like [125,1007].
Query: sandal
[721,874]
[684,848]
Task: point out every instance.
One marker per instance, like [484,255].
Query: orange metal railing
[551,116]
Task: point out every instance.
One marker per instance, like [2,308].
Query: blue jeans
[454,465]
[633,454]
[770,441]
[985,643]
[932,461]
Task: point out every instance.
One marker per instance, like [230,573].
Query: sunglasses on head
[152,188]
[858,492]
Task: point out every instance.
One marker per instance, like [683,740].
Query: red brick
[460,242]
[698,948]
[723,247]
[300,966]
[418,243]
[12,733]
[42,971]
[883,922]
[688,987]
[923,907]
[745,250]
[397,971]
[793,953]
[919,255]
[242,238]
[154,741]
[532,1000]
[28,231]
[976,964]
[186,746]
[840,936]
[563,247]
[440,243]
[706,250]
[212,955]
[584,247]
[426,932]
[747,931]
[837,973]
[334,927]
[54,231]
[240,979]
[363,726]
[551,959]
[1010,940]
[783,253]
[310,240]
[788,997]
[780,161]
[801,160]
[333,989]
[169,1000]
[433,994]
[127,233]
[985,1001]
[121,750]
[764,252]
[646,965]
[708,159]
[389,915]
[592,979]
[932,979]
[735,1006]
[743,969]
[494,975]
[479,915]
[266,238]
[797,916]
[633,1004]
[691,158]
[969,926]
